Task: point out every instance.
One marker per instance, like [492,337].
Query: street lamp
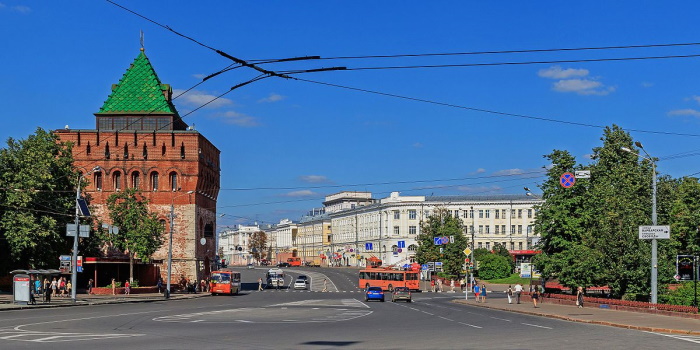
[654,259]
[74,259]
[170,244]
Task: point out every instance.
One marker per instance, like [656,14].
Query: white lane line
[425,312]
[470,325]
[88,318]
[502,319]
[445,318]
[534,325]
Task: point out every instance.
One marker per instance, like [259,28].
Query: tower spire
[141,39]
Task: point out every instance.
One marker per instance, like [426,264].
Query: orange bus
[225,281]
[388,279]
[294,261]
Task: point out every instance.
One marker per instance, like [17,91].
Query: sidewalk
[85,299]
[594,315]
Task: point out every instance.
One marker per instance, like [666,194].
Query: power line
[524,116]
[261,61]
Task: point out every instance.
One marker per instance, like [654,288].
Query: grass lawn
[512,279]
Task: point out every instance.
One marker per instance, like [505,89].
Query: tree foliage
[440,224]
[589,233]
[258,245]
[140,232]
[38,199]
[493,266]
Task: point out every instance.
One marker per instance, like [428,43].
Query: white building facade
[234,244]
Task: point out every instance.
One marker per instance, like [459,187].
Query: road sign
[438,266]
[368,246]
[84,230]
[583,174]
[467,251]
[655,232]
[445,240]
[424,267]
[65,258]
[452,239]
[567,180]
[437,240]
[401,244]
[398,250]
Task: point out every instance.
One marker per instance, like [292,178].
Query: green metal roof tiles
[138,91]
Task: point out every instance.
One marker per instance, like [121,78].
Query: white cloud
[2,5]
[272,98]
[418,145]
[199,76]
[302,193]
[647,84]
[240,119]
[199,98]
[556,72]
[314,179]
[696,99]
[582,87]
[21,9]
[480,171]
[688,111]
[507,172]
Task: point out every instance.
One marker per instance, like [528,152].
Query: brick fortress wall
[184,153]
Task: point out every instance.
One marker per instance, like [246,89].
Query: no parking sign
[567,180]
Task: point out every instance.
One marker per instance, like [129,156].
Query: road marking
[425,312]
[470,325]
[534,325]
[690,338]
[445,318]
[54,337]
[18,328]
[502,319]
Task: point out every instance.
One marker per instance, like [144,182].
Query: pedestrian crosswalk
[688,338]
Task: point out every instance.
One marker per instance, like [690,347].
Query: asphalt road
[288,319]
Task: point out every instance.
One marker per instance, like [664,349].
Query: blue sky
[285,144]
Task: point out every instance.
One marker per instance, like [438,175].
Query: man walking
[518,290]
[260,284]
[325,285]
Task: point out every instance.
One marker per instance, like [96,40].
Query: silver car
[299,284]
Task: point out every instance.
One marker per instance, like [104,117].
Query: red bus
[388,279]
[294,261]
[225,281]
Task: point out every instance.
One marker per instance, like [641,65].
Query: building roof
[139,91]
[482,198]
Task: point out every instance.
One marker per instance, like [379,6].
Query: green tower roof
[139,91]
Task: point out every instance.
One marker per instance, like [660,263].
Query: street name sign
[655,232]
[582,174]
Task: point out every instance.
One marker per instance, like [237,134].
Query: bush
[492,266]
[683,295]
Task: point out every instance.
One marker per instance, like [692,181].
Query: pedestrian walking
[509,293]
[483,293]
[518,291]
[535,296]
[477,290]
[452,285]
[54,287]
[260,284]
[69,288]
[127,287]
[47,291]
[579,297]
[89,286]
[114,287]
[159,284]
[62,286]
[325,285]
[432,285]
[439,285]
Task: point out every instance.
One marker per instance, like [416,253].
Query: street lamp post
[74,258]
[654,244]
[170,243]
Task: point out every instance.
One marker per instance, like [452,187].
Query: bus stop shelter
[24,288]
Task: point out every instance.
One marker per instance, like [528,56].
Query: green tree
[440,224]
[492,266]
[37,178]
[258,245]
[500,249]
[140,232]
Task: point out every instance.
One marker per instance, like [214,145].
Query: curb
[101,302]
[602,323]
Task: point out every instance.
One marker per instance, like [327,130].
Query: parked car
[401,293]
[264,262]
[250,266]
[283,264]
[374,293]
[300,283]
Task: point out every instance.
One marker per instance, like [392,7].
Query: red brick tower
[141,141]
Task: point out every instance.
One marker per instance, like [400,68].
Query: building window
[503,229]
[135,180]
[412,248]
[520,229]
[471,213]
[396,230]
[481,228]
[512,229]
[117,181]
[481,213]
[529,229]
[173,181]
[98,181]
[488,213]
[107,154]
[520,213]
[412,230]
[154,181]
[529,213]
[512,245]
[488,245]
[503,213]
[397,215]
[498,229]
[498,214]
[456,213]
[479,245]
[412,214]
[520,245]
[487,229]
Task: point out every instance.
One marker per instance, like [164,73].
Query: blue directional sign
[424,267]
[368,246]
[401,244]
[437,240]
